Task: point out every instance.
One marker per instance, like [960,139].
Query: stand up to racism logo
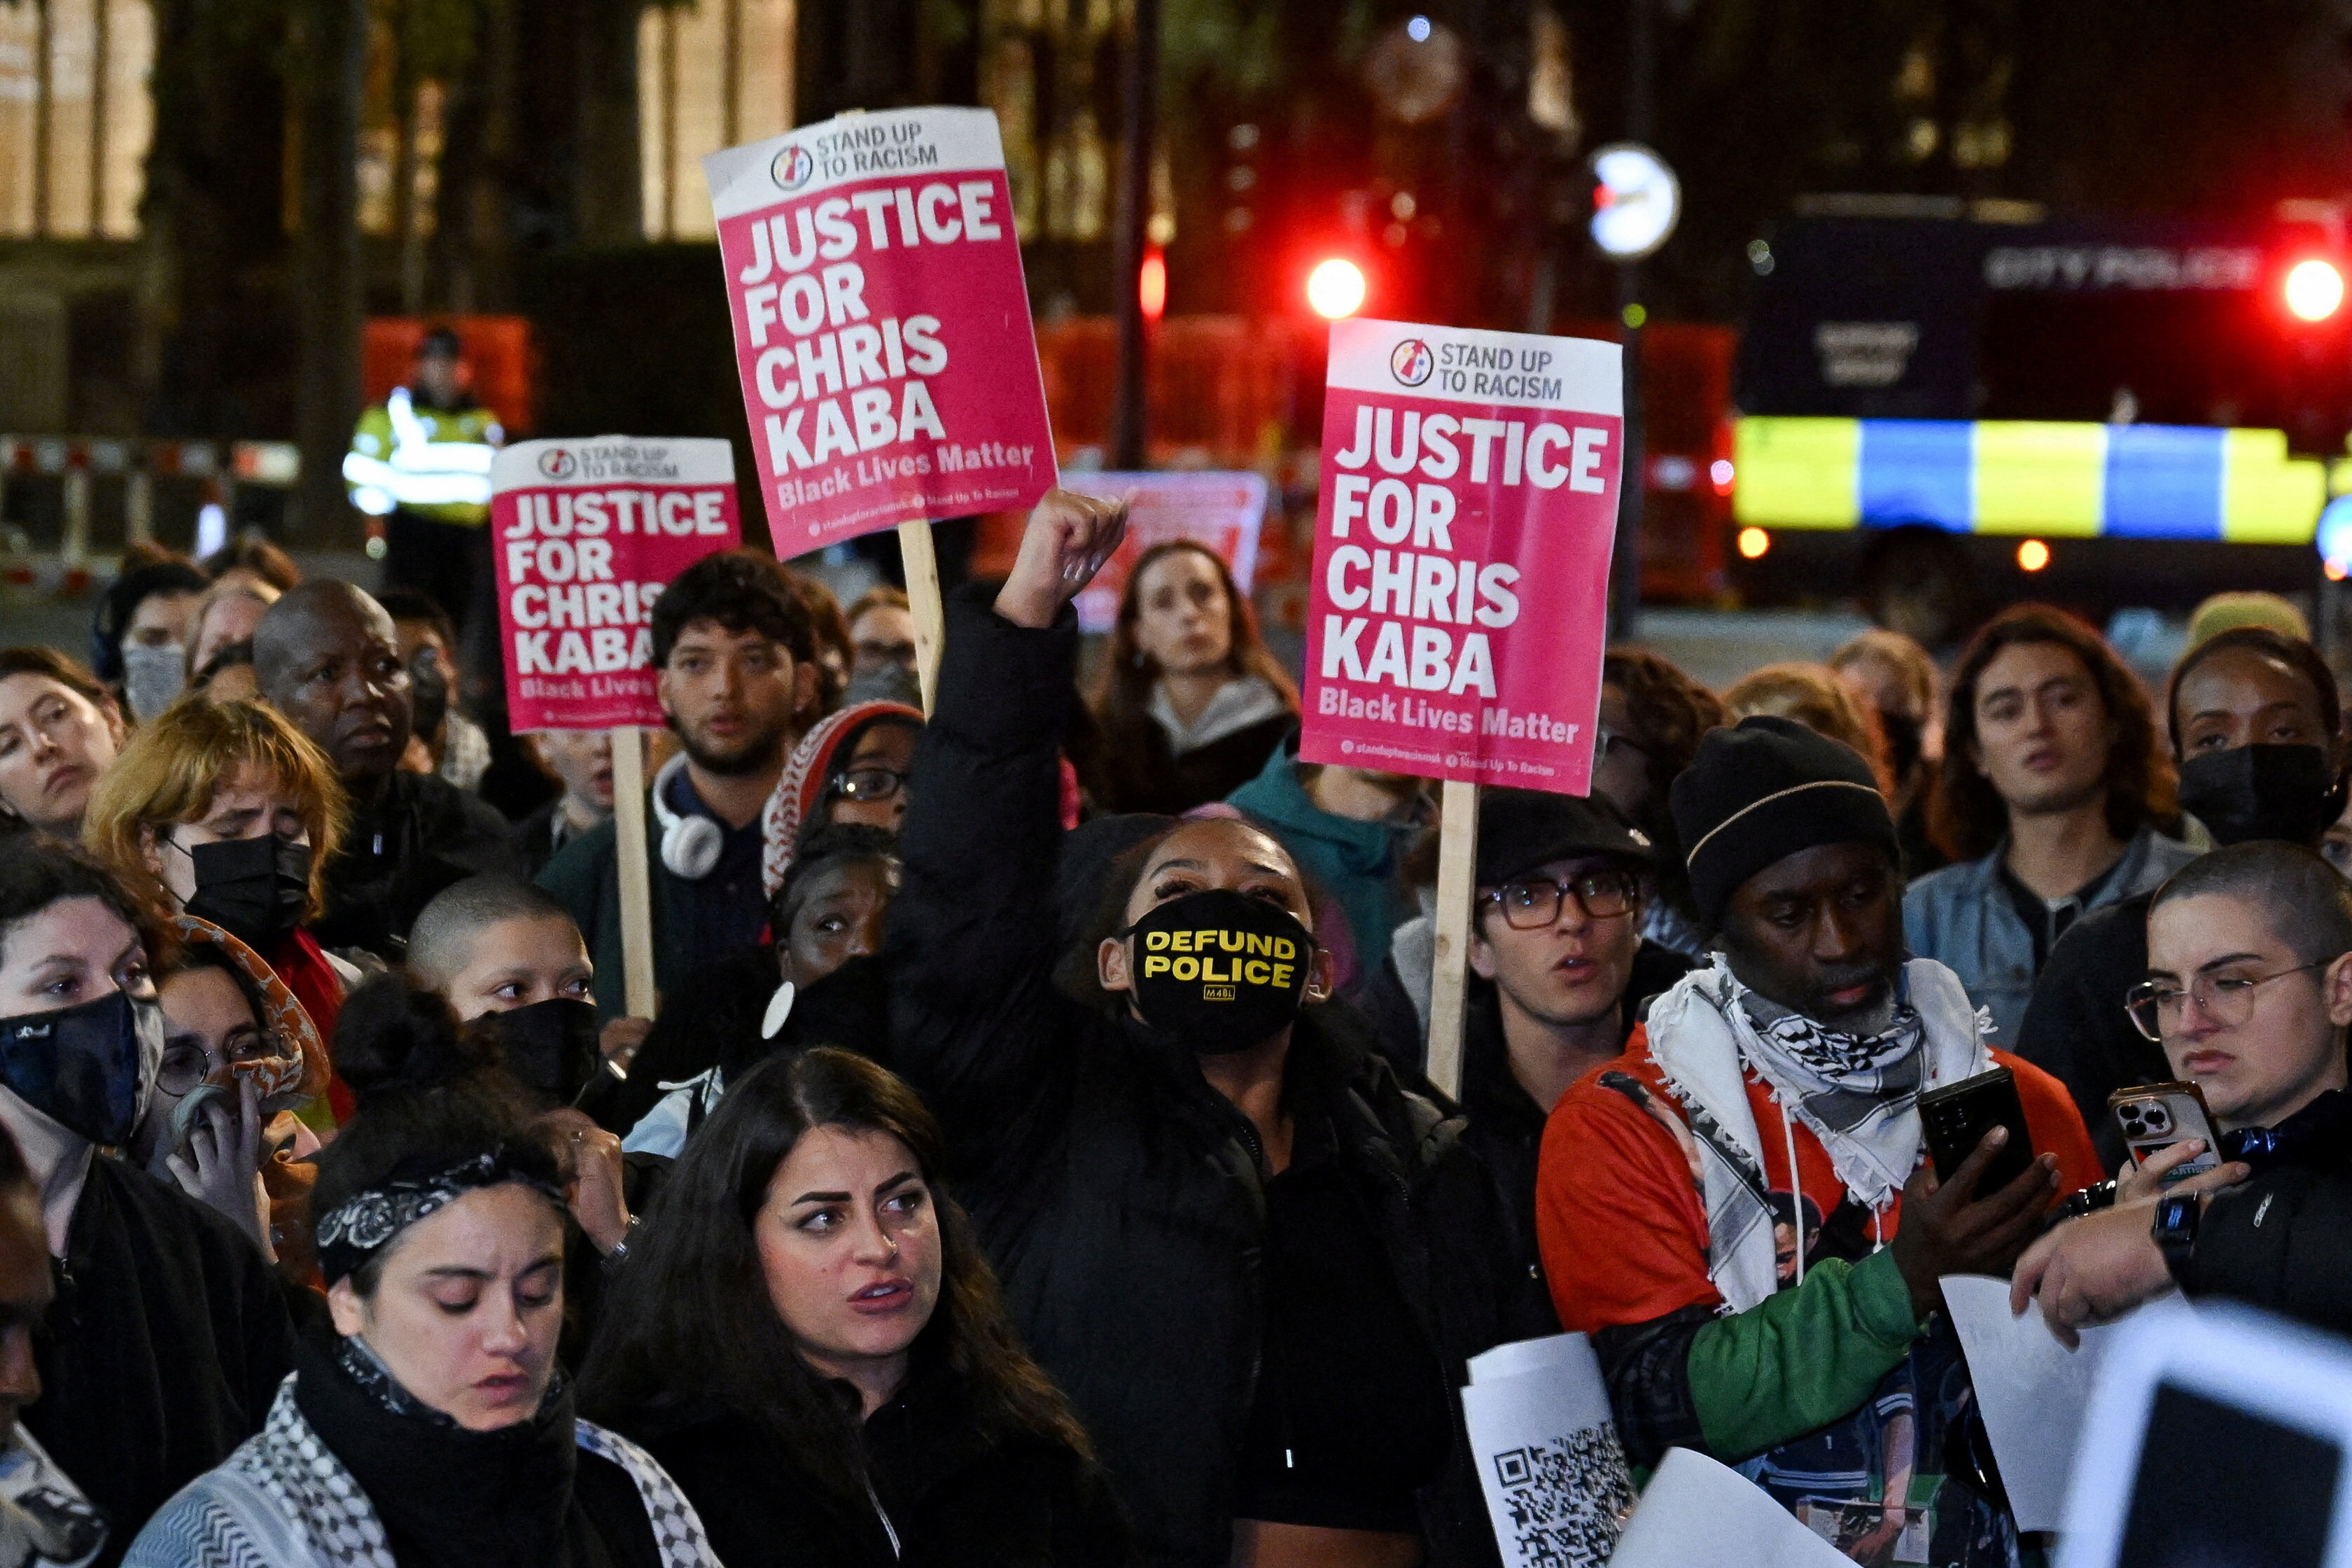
[1411,363]
[793,167]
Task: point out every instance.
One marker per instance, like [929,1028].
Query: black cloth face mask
[1219,969]
[2262,792]
[89,1068]
[254,888]
[552,1047]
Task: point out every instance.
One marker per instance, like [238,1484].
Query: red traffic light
[1336,288]
[2313,289]
[1152,284]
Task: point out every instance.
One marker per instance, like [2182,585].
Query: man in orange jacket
[1736,1209]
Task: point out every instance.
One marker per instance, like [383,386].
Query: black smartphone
[1958,1115]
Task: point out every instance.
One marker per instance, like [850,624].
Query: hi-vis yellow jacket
[423,460]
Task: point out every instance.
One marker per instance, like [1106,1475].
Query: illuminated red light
[1151,285]
[1336,288]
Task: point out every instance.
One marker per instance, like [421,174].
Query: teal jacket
[1354,863]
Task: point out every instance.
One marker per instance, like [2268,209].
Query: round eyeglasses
[2156,1008]
[188,1061]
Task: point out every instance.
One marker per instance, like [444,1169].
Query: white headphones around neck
[689,845]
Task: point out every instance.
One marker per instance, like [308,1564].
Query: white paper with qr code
[2031,1390]
[1697,1513]
[1555,1476]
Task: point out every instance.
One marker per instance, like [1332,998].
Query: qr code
[1566,1500]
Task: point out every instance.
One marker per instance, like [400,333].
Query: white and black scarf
[283,1500]
[1860,1095]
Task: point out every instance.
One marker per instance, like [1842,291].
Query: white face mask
[153,677]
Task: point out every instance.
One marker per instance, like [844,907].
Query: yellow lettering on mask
[1282,974]
[1155,966]
[1179,942]
[1155,941]
[1282,948]
[1233,940]
[1254,971]
[1187,969]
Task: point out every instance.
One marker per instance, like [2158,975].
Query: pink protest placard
[881,323]
[1458,605]
[1225,511]
[585,534]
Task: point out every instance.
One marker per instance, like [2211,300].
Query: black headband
[365,1223]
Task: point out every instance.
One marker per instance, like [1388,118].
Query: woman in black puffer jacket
[1254,1259]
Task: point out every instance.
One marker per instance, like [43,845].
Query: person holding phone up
[2249,990]
[1769,1106]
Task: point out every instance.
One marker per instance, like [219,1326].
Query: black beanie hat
[1764,790]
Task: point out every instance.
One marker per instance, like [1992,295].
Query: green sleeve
[1801,1360]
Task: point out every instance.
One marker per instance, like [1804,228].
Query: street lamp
[1637,201]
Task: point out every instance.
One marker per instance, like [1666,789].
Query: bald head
[325,655]
[491,943]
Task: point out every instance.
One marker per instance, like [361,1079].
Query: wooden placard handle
[923,601]
[638,992]
[1457,869]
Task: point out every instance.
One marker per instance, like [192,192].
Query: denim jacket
[1960,917]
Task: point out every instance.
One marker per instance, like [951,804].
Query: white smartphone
[2155,1116]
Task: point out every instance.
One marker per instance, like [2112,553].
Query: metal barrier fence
[75,464]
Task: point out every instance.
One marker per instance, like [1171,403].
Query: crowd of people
[941,1214]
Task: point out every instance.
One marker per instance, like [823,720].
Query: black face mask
[551,1047]
[89,1068]
[254,888]
[1906,738]
[2262,792]
[1220,970]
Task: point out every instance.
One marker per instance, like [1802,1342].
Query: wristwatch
[2174,1231]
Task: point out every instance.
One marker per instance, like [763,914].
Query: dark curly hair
[691,1318]
[743,591]
[1967,817]
[1668,714]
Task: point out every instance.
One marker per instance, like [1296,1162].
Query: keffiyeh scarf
[281,1081]
[1859,1096]
[284,1501]
[794,797]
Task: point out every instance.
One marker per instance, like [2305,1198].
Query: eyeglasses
[870,784]
[187,1062]
[2227,999]
[1530,903]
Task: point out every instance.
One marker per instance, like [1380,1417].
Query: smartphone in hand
[1958,1115]
[2154,1116]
